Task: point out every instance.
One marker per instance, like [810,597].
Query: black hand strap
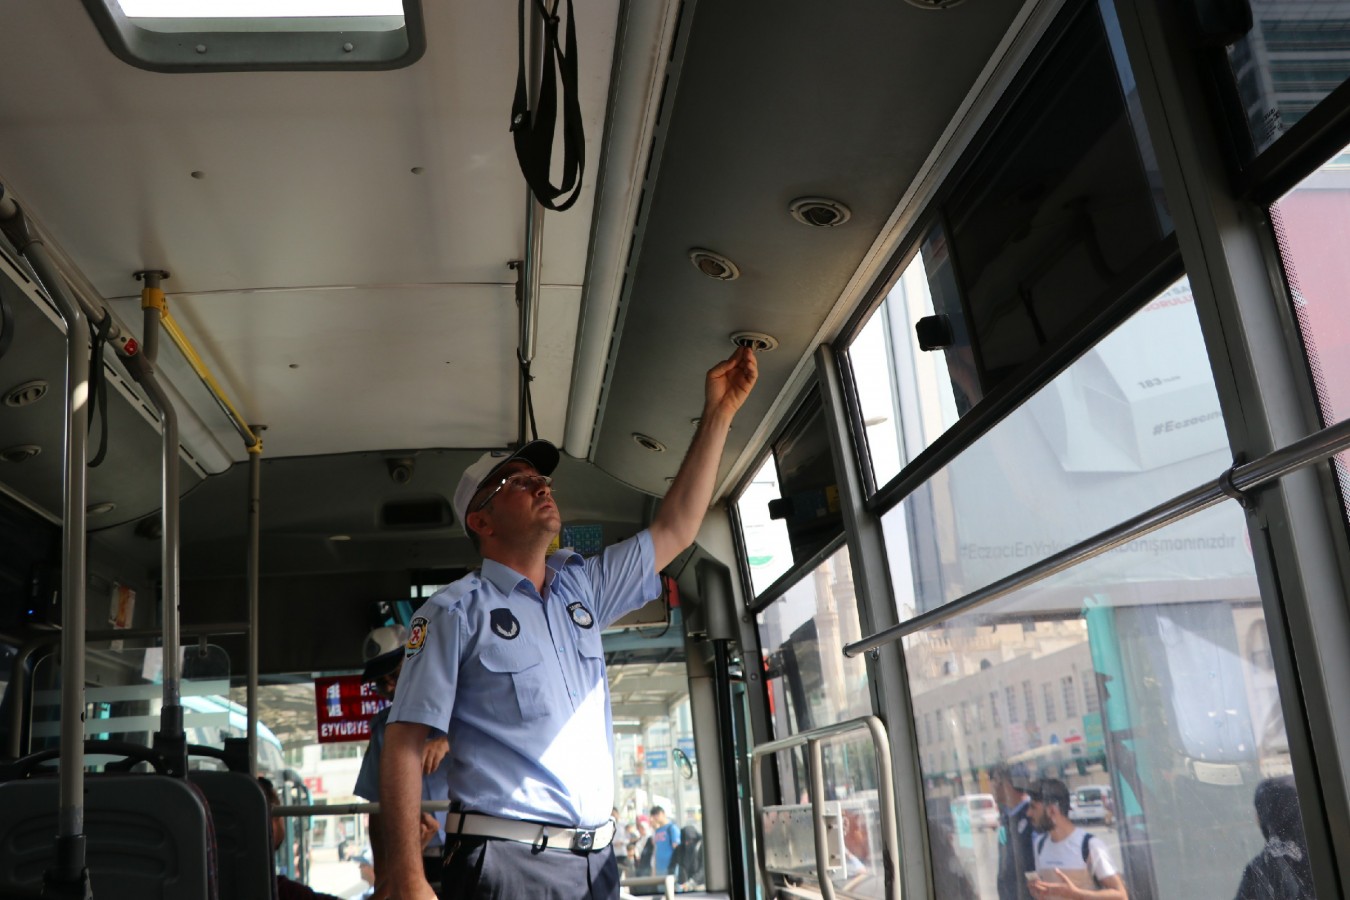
[533,135]
[98,387]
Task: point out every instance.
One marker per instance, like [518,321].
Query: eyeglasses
[521,481]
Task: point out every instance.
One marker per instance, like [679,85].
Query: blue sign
[587,540]
[632,781]
[658,759]
[686,745]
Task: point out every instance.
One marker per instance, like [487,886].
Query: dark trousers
[478,868]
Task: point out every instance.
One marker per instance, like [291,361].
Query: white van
[981,809]
[1091,803]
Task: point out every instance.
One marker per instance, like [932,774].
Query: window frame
[320,45]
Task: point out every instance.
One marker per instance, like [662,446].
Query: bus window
[810,685]
[1141,675]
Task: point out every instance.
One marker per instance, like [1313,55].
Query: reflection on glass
[1312,223]
[768,550]
[905,395]
[1135,421]
[811,683]
[1179,727]
[1292,58]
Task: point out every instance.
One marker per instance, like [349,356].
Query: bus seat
[243,834]
[146,836]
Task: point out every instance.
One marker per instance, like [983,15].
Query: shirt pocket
[591,659]
[523,667]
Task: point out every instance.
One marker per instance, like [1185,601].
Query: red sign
[344,706]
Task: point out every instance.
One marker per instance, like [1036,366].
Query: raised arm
[677,522]
[400,805]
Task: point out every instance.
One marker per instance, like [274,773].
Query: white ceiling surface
[380,368]
[307,184]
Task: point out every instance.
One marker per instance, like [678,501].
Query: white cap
[382,640]
[540,454]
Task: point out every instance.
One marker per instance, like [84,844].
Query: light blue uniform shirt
[517,682]
[435,786]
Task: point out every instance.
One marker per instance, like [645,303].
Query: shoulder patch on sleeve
[417,636]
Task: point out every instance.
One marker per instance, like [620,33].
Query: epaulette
[454,594]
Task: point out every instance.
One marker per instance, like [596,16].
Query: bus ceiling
[340,243]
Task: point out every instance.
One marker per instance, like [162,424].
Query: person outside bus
[665,840]
[509,664]
[1016,853]
[1281,871]
[1070,862]
[382,672]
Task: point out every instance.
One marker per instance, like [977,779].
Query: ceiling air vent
[100,509]
[935,4]
[648,443]
[819,212]
[19,453]
[26,393]
[421,512]
[755,340]
[714,265]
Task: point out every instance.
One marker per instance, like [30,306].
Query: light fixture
[648,443]
[819,212]
[19,453]
[26,393]
[755,340]
[713,264]
[100,509]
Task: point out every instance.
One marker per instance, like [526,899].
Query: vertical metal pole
[254,525]
[171,713]
[70,857]
[816,764]
[731,769]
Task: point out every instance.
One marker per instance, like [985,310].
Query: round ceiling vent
[19,453]
[26,393]
[649,443]
[755,340]
[819,212]
[935,4]
[714,265]
[100,509]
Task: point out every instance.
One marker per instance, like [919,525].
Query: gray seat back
[146,836]
[243,834]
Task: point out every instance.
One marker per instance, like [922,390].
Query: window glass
[1312,225]
[908,397]
[1045,219]
[655,764]
[811,684]
[1294,56]
[768,552]
[1135,421]
[1179,761]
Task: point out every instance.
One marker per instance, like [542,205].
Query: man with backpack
[1070,862]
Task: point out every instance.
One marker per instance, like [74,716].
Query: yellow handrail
[153,298]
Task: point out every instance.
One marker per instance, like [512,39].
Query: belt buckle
[583,840]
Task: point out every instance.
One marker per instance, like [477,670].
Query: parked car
[1091,803]
[981,809]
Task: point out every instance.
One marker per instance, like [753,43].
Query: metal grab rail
[1235,483]
[890,839]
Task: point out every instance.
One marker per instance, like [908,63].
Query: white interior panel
[403,367]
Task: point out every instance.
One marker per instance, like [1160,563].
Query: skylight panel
[257,9]
[261,35]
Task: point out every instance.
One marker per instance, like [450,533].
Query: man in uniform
[382,672]
[508,663]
